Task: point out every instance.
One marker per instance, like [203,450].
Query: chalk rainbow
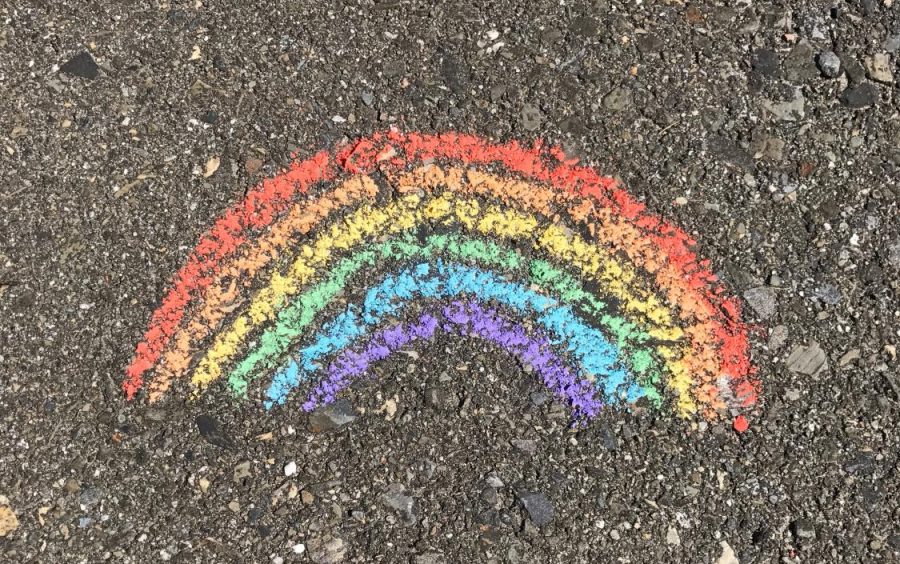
[452,235]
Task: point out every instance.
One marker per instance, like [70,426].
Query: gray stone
[767,147]
[828,294]
[762,300]
[893,256]
[242,471]
[539,508]
[494,482]
[490,495]
[617,100]
[539,398]
[332,416]
[892,43]
[803,529]
[672,538]
[368,97]
[790,110]
[327,550]
[525,445]
[531,117]
[440,399]
[608,437]
[649,43]
[800,64]
[430,558]
[829,63]
[396,499]
[879,68]
[778,337]
[91,496]
[870,7]
[807,360]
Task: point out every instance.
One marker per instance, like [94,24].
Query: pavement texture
[768,131]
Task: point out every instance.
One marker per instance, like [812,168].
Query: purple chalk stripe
[463,318]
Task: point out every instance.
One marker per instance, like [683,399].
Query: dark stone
[455,75]
[219,63]
[730,152]
[393,68]
[649,43]
[760,536]
[608,438]
[800,64]
[212,432]
[584,26]
[81,65]
[863,464]
[489,495]
[860,96]
[91,496]
[765,62]
[855,71]
[210,117]
[490,517]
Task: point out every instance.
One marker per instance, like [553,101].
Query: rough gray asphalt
[733,121]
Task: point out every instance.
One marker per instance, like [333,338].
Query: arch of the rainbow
[439,280]
[552,281]
[452,211]
[664,350]
[469,150]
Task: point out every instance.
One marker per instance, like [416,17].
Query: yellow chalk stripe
[404,214]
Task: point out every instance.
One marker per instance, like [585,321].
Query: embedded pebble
[8,520]
[829,63]
[879,68]
[539,507]
[808,360]
[763,301]
[860,96]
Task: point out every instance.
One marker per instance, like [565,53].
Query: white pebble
[299,548]
[290,468]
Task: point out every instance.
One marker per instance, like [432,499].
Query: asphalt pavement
[768,131]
